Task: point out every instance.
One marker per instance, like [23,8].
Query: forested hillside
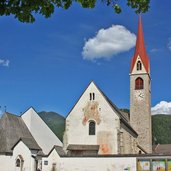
[55,121]
[161,128]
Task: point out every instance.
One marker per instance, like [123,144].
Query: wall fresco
[104,139]
[143,165]
[91,112]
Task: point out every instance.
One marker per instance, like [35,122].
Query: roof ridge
[11,114]
[117,110]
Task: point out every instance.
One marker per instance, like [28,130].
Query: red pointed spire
[140,48]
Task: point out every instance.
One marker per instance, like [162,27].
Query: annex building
[98,136]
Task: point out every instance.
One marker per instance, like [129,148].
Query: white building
[23,139]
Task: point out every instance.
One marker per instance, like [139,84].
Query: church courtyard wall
[107,163]
[5,162]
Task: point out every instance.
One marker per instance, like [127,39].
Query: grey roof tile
[13,128]
[82,147]
[29,142]
[162,149]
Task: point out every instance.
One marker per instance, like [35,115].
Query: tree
[24,10]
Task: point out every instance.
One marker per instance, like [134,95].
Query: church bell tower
[140,92]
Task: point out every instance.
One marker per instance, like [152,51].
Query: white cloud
[162,108]
[109,42]
[4,62]
[169,44]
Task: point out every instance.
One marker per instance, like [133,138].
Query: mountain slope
[55,122]
[161,129]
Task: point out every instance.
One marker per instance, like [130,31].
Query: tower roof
[140,48]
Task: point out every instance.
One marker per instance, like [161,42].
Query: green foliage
[140,6]
[25,10]
[161,129]
[55,122]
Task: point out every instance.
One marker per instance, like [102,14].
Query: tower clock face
[139,95]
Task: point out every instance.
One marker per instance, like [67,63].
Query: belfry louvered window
[92,128]
[139,83]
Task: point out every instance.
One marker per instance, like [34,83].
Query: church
[98,136]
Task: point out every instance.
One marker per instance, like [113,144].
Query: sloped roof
[82,147]
[140,48]
[122,117]
[59,150]
[124,122]
[162,149]
[29,142]
[12,129]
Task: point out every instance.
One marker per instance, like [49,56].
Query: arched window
[139,66]
[18,163]
[92,128]
[139,83]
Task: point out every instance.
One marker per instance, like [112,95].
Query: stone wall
[140,108]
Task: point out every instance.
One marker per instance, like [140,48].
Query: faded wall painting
[91,111]
[143,165]
[159,165]
[104,139]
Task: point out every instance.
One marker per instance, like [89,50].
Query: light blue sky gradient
[47,69]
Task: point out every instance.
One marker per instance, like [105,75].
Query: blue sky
[42,64]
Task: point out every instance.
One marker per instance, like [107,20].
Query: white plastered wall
[135,71]
[106,131]
[53,161]
[43,135]
[23,150]
[92,164]
[6,163]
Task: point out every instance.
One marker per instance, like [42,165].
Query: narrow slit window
[93,96]
[90,96]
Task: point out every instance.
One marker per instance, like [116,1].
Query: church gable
[22,157]
[93,121]
[29,142]
[90,104]
[138,66]
[43,135]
